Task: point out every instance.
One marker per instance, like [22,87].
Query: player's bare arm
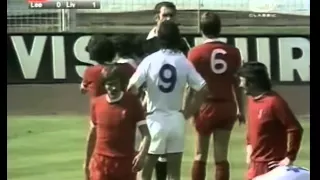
[91,139]
[143,148]
[294,128]
[237,91]
[194,102]
[197,93]
[138,78]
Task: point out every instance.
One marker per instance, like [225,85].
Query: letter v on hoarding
[29,61]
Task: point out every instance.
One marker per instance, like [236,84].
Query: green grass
[52,148]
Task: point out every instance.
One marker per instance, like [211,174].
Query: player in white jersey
[166,74]
[286,173]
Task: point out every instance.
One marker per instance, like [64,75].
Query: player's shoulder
[98,99]
[155,56]
[130,98]
[276,99]
[198,48]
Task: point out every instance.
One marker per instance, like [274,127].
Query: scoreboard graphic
[64,4]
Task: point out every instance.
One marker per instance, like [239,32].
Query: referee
[162,11]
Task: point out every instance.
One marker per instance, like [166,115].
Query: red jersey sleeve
[93,116]
[193,57]
[283,112]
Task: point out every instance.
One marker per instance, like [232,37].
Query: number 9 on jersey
[168,78]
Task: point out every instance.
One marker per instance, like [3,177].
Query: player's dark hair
[256,73]
[210,24]
[123,45]
[166,4]
[169,35]
[138,46]
[100,49]
[114,71]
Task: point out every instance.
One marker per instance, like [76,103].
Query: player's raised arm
[197,92]
[294,128]
[139,77]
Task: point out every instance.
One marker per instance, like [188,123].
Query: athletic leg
[158,132]
[161,168]
[150,162]
[201,156]
[175,145]
[174,161]
[221,140]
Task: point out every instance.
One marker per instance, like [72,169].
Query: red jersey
[92,81]
[217,63]
[270,123]
[116,125]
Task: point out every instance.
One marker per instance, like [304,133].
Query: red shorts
[106,168]
[215,115]
[257,169]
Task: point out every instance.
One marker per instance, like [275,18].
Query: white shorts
[167,132]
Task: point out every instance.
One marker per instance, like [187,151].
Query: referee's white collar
[152,33]
[211,40]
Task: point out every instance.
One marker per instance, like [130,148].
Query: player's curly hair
[169,35]
[100,49]
[123,45]
[257,74]
[210,24]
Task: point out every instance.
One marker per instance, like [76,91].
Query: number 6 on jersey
[218,66]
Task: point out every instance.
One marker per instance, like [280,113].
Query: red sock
[198,170]
[222,170]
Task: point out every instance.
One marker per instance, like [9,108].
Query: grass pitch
[52,148]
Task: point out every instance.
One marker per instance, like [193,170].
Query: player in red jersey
[115,116]
[217,62]
[274,133]
[101,50]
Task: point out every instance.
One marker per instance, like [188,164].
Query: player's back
[217,63]
[167,78]
[92,81]
[286,173]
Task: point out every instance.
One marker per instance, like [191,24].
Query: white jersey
[286,173]
[166,75]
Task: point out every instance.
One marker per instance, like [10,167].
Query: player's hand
[138,162]
[285,162]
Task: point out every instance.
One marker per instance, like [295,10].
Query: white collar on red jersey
[259,96]
[114,100]
[211,40]
[153,33]
[129,61]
